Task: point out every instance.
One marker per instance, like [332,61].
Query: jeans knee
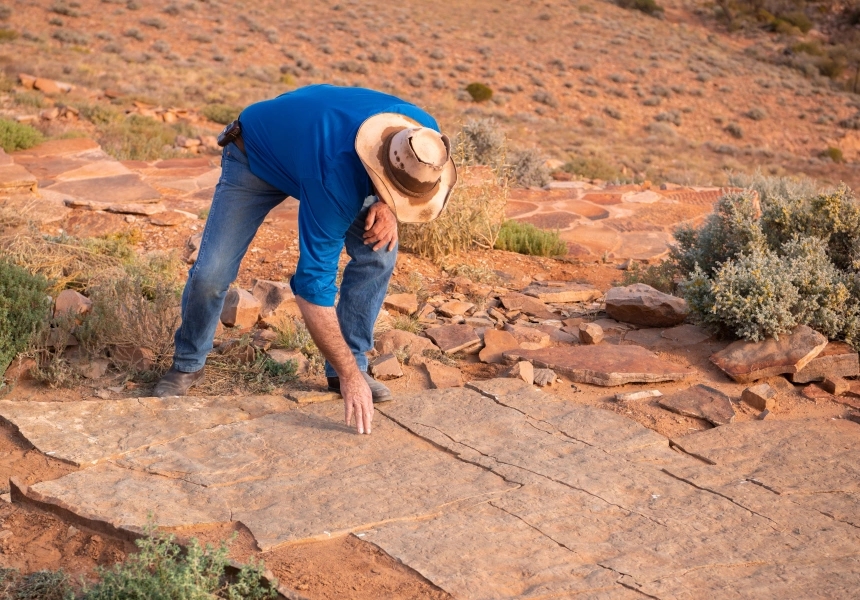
[206,283]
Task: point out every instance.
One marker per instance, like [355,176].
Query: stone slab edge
[22,494]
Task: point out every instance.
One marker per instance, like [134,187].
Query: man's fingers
[347,405]
[359,418]
[368,417]
[371,219]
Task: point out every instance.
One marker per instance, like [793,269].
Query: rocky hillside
[615,93]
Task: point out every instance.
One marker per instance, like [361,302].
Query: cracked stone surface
[90,431]
[261,472]
[496,490]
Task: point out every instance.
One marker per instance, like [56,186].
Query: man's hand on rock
[380,227]
[357,402]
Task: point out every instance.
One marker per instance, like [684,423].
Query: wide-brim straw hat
[410,165]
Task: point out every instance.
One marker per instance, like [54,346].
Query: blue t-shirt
[303,143]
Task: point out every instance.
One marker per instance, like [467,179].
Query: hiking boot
[176,383]
[379,392]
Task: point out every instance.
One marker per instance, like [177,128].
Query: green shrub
[160,570]
[649,7]
[758,273]
[140,138]
[221,113]
[480,142]
[833,153]
[479,92]
[7,35]
[732,229]
[528,169]
[99,114]
[24,307]
[18,136]
[798,19]
[660,276]
[44,585]
[734,130]
[525,238]
[592,167]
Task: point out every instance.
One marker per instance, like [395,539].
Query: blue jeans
[240,204]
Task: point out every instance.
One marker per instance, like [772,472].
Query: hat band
[416,188]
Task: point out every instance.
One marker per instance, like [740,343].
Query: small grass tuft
[18,136]
[479,92]
[221,113]
[525,238]
[24,308]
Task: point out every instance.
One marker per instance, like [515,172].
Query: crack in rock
[775,525]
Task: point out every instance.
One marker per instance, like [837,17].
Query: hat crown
[416,158]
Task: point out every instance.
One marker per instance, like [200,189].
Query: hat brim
[370,146]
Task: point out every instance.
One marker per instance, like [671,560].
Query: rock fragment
[527,304]
[442,376]
[522,370]
[590,333]
[529,338]
[835,385]
[641,304]
[496,343]
[634,396]
[70,302]
[838,359]
[561,292]
[241,309]
[544,377]
[746,361]
[282,357]
[761,396]
[386,367]
[276,299]
[701,402]
[397,340]
[453,338]
[454,308]
[405,304]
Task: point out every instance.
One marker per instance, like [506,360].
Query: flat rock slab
[118,189]
[607,513]
[527,304]
[769,452]
[701,402]
[838,359]
[746,361]
[641,304]
[604,364]
[453,338]
[562,292]
[288,476]
[90,431]
[15,178]
[453,551]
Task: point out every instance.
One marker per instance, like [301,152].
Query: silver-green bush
[773,256]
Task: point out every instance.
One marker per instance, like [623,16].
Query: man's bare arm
[325,330]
